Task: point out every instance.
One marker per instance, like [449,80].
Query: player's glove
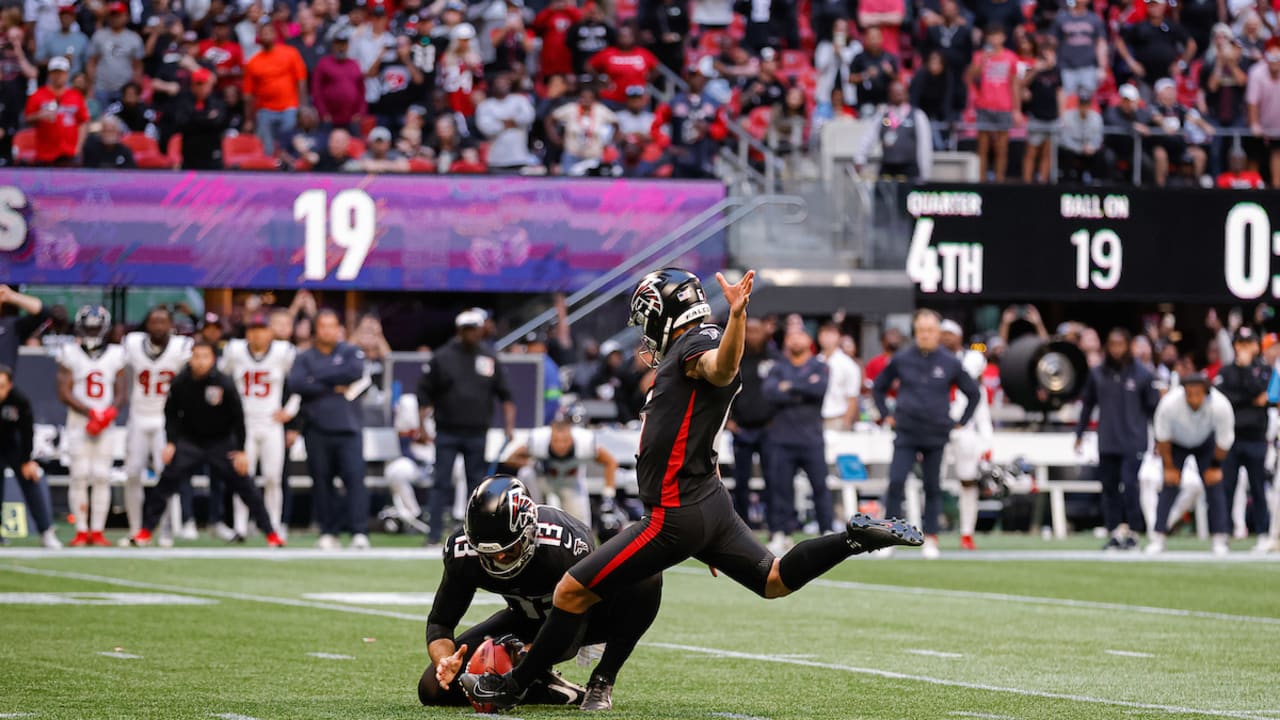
[514,646]
[97,422]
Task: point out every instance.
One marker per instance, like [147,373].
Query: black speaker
[1042,376]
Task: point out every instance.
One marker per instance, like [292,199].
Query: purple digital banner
[369,232]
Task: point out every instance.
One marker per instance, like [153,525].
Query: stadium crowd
[548,86]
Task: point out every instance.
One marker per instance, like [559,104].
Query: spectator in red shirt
[223,53]
[337,90]
[552,25]
[1238,176]
[624,64]
[890,341]
[460,68]
[59,114]
[995,79]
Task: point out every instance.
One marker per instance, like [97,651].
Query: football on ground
[1022,629]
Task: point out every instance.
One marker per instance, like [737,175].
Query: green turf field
[998,636]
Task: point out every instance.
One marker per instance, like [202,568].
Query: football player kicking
[688,511]
[91,383]
[258,365]
[515,548]
[155,356]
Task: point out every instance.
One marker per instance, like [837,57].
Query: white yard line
[890,675]
[1175,709]
[934,653]
[984,716]
[1024,599]
[232,716]
[330,656]
[222,553]
[121,655]
[737,716]
[1128,654]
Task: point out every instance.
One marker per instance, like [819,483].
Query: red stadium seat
[174,151]
[793,61]
[24,146]
[464,167]
[758,122]
[142,146]
[260,162]
[421,165]
[367,124]
[153,162]
[356,148]
[238,148]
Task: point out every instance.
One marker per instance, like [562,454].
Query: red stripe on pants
[670,486]
[644,538]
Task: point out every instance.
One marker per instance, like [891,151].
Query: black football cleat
[865,533]
[1113,544]
[499,691]
[599,696]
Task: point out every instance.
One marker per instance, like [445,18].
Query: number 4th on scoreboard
[950,267]
[351,220]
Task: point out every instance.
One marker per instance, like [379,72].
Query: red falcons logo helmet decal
[647,302]
[520,505]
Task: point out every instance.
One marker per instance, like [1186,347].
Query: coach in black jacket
[1244,383]
[17,437]
[204,422]
[922,417]
[1125,395]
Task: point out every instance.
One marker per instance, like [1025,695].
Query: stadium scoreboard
[1115,244]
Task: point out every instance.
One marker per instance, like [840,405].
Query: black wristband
[438,632]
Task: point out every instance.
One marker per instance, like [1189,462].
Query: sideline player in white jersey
[155,357]
[561,452]
[91,383]
[258,365]
[969,443]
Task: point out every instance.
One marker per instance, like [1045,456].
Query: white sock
[174,520]
[273,498]
[133,499]
[1186,502]
[404,499]
[239,516]
[100,504]
[78,499]
[968,502]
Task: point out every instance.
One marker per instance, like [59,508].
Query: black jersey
[562,541]
[677,464]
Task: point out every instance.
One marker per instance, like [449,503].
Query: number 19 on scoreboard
[351,219]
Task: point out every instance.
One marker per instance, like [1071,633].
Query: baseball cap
[117,7]
[462,31]
[951,326]
[223,19]
[1272,46]
[1084,96]
[379,133]
[200,76]
[59,63]
[256,320]
[1244,335]
[1195,378]
[66,7]
[211,318]
[378,8]
[455,6]
[1163,83]
[768,54]
[342,35]
[635,91]
[1129,92]
[609,347]
[470,318]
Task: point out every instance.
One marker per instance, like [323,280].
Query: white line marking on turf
[1128,653]
[1027,599]
[798,656]
[330,656]
[985,716]
[737,716]
[934,653]
[685,648]
[91,598]
[226,553]
[121,655]
[890,675]
[422,599]
[223,594]
[16,715]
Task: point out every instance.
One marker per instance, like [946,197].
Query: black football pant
[1219,514]
[1252,456]
[32,494]
[618,622]
[1121,496]
[709,530]
[188,458]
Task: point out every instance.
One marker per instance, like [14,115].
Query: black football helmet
[664,300]
[92,324]
[502,525]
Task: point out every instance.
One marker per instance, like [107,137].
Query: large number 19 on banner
[351,219]
[1041,243]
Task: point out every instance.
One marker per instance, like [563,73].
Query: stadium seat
[174,151]
[464,167]
[24,146]
[421,165]
[238,148]
[153,162]
[367,124]
[260,162]
[143,147]
[356,148]
[758,121]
